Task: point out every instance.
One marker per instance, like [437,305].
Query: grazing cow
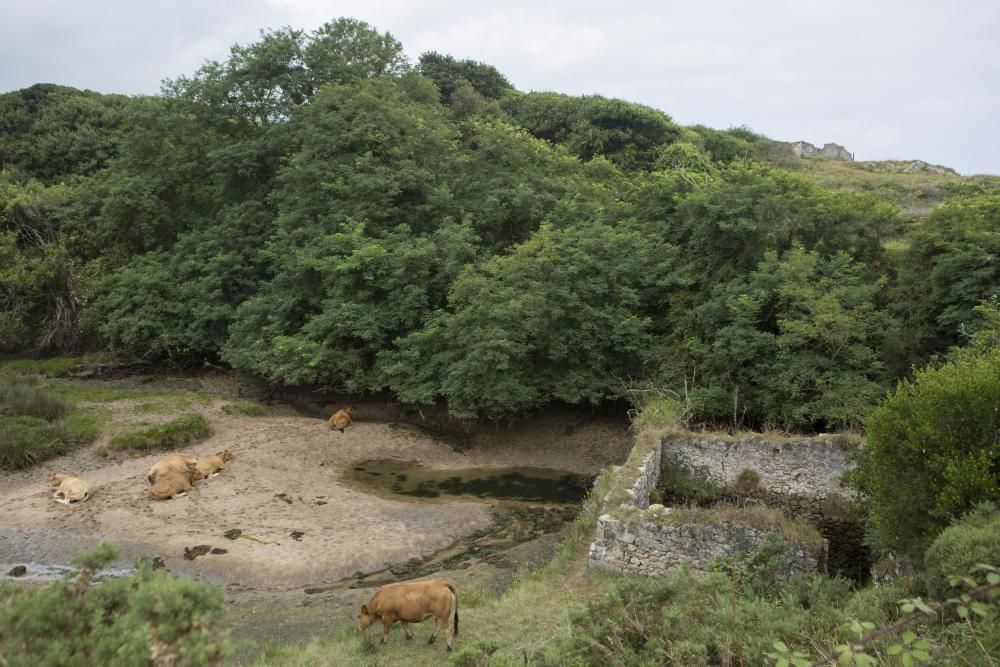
[69,489]
[174,463]
[174,484]
[341,419]
[414,602]
[211,465]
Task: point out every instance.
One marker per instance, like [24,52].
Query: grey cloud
[889,79]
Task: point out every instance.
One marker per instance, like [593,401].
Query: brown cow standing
[414,602]
[341,419]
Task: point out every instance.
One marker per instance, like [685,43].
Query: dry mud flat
[286,479]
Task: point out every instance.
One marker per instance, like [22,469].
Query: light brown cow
[211,465]
[414,602]
[69,489]
[341,419]
[173,463]
[174,484]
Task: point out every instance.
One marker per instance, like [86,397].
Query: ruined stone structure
[801,477]
[830,151]
[638,538]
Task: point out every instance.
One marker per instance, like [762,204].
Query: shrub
[248,408]
[746,482]
[970,541]
[147,618]
[35,426]
[932,452]
[679,488]
[174,434]
[26,440]
[21,399]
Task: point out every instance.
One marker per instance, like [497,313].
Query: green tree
[796,344]
[553,320]
[627,134]
[949,266]
[448,73]
[932,451]
[54,132]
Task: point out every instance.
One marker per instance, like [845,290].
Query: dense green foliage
[971,541]
[146,618]
[315,210]
[932,451]
[736,619]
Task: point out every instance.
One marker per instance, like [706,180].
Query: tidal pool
[408,478]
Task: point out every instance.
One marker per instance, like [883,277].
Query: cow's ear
[364,609]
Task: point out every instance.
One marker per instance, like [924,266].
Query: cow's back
[414,601]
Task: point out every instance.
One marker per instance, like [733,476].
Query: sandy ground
[285,478]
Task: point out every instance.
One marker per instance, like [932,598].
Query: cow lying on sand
[174,484]
[211,465]
[172,464]
[69,489]
[414,602]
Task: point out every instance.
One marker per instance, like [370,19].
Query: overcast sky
[889,79]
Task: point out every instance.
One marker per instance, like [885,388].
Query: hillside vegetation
[318,210]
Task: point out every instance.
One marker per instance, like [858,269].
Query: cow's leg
[387,621]
[406,630]
[447,632]
[437,629]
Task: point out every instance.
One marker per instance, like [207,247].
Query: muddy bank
[283,490]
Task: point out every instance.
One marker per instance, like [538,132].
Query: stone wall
[647,476]
[643,543]
[649,549]
[802,477]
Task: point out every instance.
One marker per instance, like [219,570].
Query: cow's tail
[454,594]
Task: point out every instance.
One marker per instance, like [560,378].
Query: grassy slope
[529,617]
[916,194]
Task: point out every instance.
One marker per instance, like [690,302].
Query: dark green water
[406,478]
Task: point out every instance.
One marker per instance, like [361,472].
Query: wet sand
[285,479]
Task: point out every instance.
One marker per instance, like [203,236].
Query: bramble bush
[148,618]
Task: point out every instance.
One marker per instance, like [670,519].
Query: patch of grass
[248,408]
[22,399]
[624,476]
[658,413]
[174,434]
[55,367]
[94,393]
[756,516]
[26,440]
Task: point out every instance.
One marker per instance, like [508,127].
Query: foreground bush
[148,618]
[174,434]
[973,540]
[932,452]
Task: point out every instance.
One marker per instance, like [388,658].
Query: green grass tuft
[56,367]
[174,434]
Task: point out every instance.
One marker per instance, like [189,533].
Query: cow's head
[365,618]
